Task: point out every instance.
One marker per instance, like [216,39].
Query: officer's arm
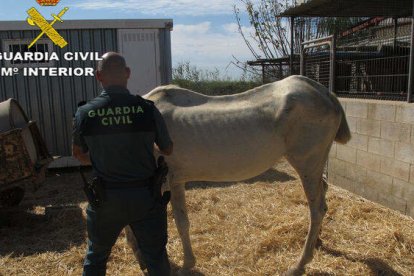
[79,147]
[78,153]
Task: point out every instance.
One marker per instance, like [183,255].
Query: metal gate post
[263,74]
[317,43]
[292,49]
[332,73]
[411,70]
[302,60]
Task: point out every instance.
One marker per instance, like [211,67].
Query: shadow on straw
[270,176]
[28,233]
[192,272]
[377,266]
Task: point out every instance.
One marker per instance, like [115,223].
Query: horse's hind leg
[310,170]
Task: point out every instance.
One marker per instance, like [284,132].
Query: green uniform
[119,130]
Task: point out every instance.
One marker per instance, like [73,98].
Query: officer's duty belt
[126,185]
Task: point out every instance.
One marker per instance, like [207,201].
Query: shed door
[141,50]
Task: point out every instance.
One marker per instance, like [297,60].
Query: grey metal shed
[52,101]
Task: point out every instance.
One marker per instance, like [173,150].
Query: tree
[270,38]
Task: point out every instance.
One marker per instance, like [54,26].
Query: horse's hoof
[294,271]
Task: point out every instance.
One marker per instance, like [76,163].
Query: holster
[94,191]
[160,177]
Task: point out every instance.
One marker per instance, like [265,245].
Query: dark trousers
[148,220]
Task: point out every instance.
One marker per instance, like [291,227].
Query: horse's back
[175,96]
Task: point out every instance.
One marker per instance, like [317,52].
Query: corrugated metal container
[52,101]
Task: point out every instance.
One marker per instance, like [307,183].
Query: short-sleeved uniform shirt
[119,130]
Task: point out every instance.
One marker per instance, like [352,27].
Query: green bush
[211,82]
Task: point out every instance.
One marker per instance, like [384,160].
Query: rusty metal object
[15,162]
[23,154]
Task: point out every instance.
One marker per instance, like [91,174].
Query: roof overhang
[94,24]
[351,8]
[264,62]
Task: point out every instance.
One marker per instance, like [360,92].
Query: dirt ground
[255,227]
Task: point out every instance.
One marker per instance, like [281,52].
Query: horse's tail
[343,135]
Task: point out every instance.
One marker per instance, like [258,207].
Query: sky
[205,32]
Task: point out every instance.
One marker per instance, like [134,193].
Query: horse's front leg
[182,222]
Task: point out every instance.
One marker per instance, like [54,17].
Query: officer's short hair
[112,63]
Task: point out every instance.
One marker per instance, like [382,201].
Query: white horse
[236,137]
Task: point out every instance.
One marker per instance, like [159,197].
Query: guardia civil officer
[116,133]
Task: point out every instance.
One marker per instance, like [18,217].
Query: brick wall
[378,162]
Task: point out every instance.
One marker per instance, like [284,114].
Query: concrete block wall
[378,162]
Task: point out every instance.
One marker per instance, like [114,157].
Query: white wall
[378,162]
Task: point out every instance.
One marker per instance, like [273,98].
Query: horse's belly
[231,159]
[223,145]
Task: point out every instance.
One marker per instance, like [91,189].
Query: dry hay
[253,228]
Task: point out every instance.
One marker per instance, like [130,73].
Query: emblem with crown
[48,2]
